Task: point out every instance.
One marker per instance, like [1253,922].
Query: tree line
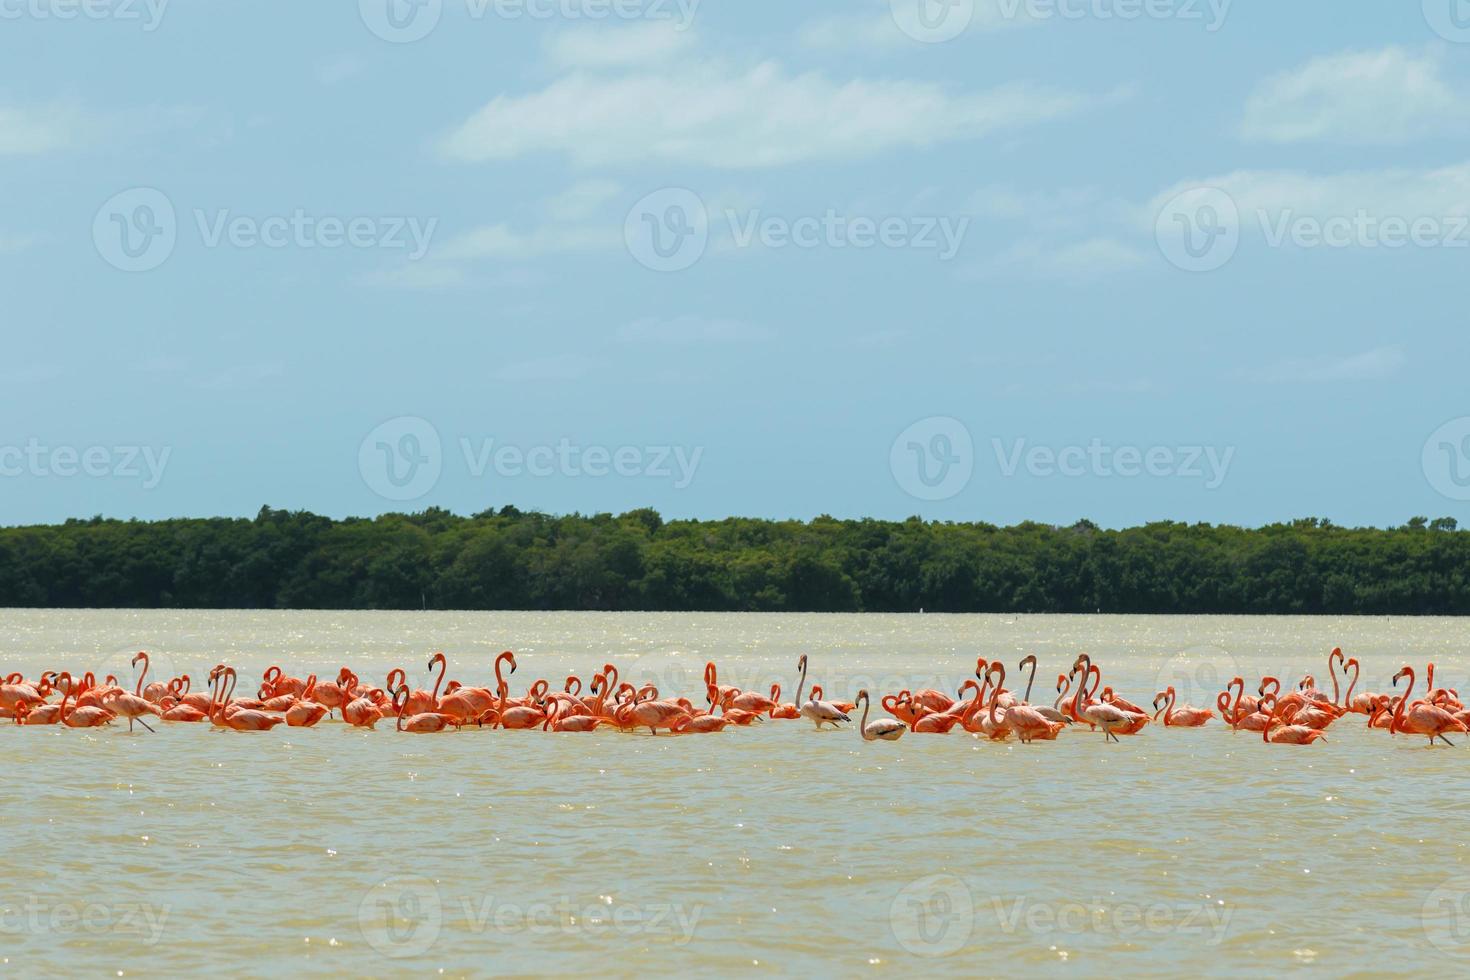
[510,559]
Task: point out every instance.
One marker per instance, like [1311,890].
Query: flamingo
[306,713]
[424,723]
[85,716]
[823,713]
[1099,714]
[788,710]
[1027,722]
[154,692]
[134,706]
[240,719]
[1421,717]
[652,715]
[575,723]
[712,676]
[884,729]
[846,707]
[1286,734]
[701,724]
[1185,717]
[274,683]
[933,722]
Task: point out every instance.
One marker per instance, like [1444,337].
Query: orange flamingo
[1421,717]
[1025,721]
[785,711]
[86,716]
[424,723]
[1286,734]
[1185,717]
[241,719]
[306,713]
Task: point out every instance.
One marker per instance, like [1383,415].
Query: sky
[973,260]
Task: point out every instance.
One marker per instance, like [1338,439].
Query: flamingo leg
[141,722]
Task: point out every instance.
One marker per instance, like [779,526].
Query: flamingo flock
[983,706]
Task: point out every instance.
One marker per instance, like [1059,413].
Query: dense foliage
[512,560]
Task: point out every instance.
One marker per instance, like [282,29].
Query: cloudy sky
[974,260]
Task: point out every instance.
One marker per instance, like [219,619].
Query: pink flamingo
[1185,717]
[306,713]
[86,716]
[424,723]
[241,719]
[1421,717]
[1286,734]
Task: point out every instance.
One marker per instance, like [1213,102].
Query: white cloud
[1361,97]
[601,47]
[583,199]
[30,131]
[711,114]
[1373,365]
[1400,193]
[1087,261]
[502,241]
[691,330]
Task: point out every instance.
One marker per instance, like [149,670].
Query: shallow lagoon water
[775,848]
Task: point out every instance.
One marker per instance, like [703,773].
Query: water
[334,850]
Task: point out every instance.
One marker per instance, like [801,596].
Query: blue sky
[896,271]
